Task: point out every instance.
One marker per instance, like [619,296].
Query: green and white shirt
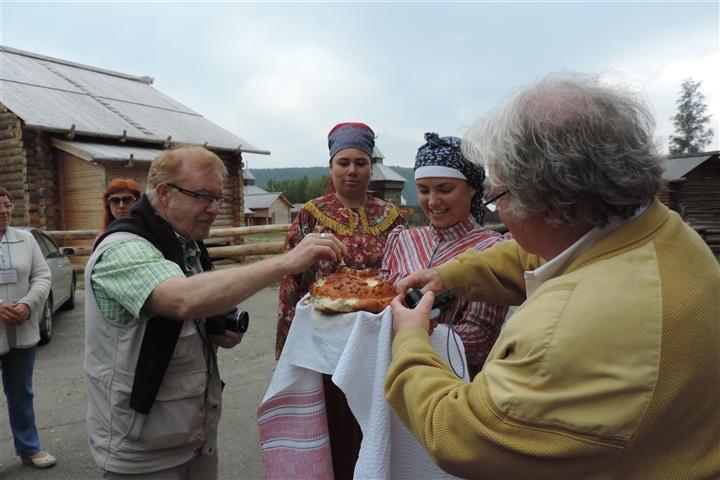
[128,272]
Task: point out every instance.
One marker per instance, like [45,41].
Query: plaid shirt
[408,250]
[128,272]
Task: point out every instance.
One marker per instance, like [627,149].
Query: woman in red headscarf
[362,222]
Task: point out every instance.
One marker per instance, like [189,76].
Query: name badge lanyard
[9,274]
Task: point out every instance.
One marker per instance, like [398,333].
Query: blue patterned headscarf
[351,135]
[442,157]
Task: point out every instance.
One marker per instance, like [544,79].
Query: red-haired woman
[120,196]
[118,199]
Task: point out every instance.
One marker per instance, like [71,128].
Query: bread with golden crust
[351,290]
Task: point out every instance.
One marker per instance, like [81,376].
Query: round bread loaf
[351,290]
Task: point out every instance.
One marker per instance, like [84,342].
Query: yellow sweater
[609,371]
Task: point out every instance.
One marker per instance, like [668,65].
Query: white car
[62,291]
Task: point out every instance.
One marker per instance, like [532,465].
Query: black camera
[235,320]
[442,301]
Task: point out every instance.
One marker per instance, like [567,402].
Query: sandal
[40,459]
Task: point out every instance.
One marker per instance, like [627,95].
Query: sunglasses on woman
[127,200]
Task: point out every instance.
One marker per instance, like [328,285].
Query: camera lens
[243,321]
[238,323]
[231,324]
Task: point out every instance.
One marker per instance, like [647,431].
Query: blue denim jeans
[17,370]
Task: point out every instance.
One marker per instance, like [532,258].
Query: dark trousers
[344,430]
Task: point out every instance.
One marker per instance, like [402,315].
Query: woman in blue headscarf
[450,192]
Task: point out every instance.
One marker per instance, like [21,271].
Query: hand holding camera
[227,330]
[441,302]
[416,309]
[235,320]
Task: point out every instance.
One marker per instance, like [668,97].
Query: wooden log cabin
[694,192]
[263,207]
[67,129]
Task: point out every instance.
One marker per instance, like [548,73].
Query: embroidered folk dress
[363,231]
[409,250]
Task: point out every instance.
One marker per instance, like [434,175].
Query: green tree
[298,190]
[316,187]
[691,134]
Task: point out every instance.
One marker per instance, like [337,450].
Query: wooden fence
[222,243]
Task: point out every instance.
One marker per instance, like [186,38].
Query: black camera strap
[450,325]
[161,333]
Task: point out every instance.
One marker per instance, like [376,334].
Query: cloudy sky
[280,75]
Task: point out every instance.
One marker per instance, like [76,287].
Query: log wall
[699,194]
[231,214]
[42,185]
[54,190]
[697,199]
[13,165]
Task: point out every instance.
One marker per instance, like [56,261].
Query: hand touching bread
[313,248]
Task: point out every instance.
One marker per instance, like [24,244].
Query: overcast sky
[280,75]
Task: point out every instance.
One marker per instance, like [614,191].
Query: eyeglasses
[6,205]
[204,196]
[128,200]
[491,203]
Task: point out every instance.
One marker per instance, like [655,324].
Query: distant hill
[262,175]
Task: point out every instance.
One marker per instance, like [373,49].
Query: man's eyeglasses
[491,203]
[129,200]
[204,196]
[6,205]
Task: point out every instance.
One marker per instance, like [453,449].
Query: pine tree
[691,135]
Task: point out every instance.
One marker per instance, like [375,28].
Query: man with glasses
[609,367]
[154,392]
